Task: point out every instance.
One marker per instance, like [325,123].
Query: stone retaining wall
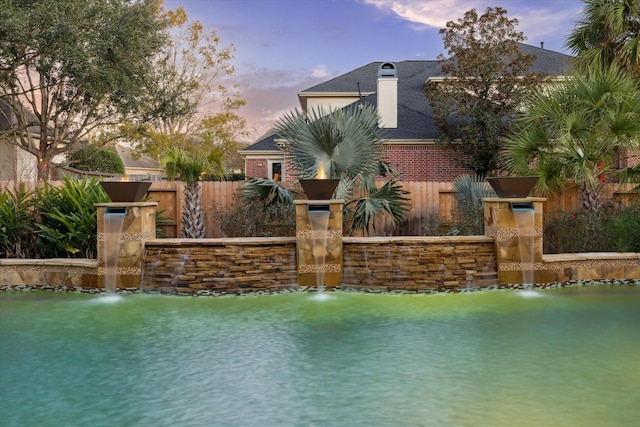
[266,265]
[45,272]
[238,266]
[419,264]
[220,266]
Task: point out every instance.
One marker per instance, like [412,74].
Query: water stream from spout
[113,222]
[319,227]
[526,231]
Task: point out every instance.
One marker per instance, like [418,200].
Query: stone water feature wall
[220,266]
[419,264]
[264,265]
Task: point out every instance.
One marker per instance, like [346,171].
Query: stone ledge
[239,241]
[51,262]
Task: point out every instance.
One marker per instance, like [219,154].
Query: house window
[275,171]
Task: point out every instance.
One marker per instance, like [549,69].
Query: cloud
[429,13]
[320,71]
[271,93]
[550,21]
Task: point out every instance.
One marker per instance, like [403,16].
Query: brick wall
[257,168]
[428,162]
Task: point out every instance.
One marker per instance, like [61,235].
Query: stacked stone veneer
[220,266]
[419,264]
[138,227]
[314,245]
[264,265]
[514,242]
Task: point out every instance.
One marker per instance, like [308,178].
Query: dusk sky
[285,46]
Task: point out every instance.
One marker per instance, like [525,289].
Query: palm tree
[608,32]
[345,144]
[574,131]
[191,168]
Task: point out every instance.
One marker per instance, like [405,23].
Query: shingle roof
[414,112]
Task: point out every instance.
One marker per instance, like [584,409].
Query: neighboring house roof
[266,143]
[415,120]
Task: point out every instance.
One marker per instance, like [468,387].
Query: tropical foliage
[192,168]
[52,221]
[469,212]
[344,144]
[608,32]
[17,223]
[574,131]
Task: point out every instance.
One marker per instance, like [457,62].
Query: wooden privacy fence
[430,201]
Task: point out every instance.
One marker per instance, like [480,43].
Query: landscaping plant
[17,208]
[67,225]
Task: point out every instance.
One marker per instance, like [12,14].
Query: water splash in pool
[109,298]
[321,296]
[530,293]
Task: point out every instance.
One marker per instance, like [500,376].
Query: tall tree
[196,106]
[609,31]
[486,80]
[71,67]
[573,131]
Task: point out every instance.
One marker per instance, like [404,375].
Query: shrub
[468,215]
[258,219]
[94,159]
[68,218]
[606,230]
[17,210]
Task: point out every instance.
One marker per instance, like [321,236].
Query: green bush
[17,210]
[258,219]
[606,230]
[468,215]
[68,219]
[95,159]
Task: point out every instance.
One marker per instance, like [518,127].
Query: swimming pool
[566,356]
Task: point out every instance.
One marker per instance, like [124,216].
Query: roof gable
[414,112]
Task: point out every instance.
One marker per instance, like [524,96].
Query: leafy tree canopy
[486,81]
[69,68]
[196,106]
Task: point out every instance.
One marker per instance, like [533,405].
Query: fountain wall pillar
[306,250]
[139,225]
[515,240]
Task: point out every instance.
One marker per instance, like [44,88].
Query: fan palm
[345,144]
[191,168]
[573,132]
[608,32]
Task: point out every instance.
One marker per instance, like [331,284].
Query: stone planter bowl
[513,186]
[125,191]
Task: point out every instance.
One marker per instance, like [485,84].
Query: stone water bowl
[513,186]
[319,189]
[126,191]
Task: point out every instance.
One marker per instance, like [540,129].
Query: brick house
[397,90]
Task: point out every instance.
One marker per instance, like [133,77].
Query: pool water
[562,357]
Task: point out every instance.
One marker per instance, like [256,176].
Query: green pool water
[562,357]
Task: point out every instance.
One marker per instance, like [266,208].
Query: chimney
[387,94]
